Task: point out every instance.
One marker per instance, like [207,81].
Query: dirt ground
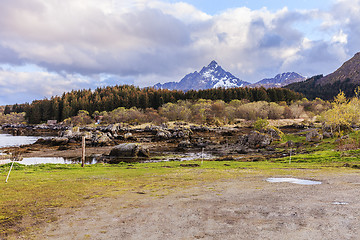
[248,207]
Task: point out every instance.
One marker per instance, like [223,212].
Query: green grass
[327,151]
[325,157]
[325,144]
[35,191]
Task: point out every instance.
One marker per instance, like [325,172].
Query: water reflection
[56,160]
[112,160]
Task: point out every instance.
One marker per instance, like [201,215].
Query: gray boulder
[112,128]
[314,136]
[101,139]
[289,144]
[181,134]
[129,150]
[71,134]
[163,135]
[274,134]
[128,135]
[328,134]
[255,140]
[184,144]
[56,141]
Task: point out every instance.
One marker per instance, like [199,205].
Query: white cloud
[149,41]
[341,37]
[31,85]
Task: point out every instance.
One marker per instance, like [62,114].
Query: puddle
[193,156]
[340,203]
[182,157]
[293,180]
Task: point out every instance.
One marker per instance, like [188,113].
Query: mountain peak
[212,76]
[213,64]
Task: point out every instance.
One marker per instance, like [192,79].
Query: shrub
[81,119]
[260,124]
[275,111]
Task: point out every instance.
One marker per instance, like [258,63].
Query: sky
[48,47]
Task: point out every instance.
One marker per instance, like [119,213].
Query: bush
[275,111]
[13,118]
[260,124]
[81,119]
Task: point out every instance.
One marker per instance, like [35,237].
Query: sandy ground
[244,208]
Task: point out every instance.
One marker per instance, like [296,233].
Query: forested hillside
[312,89]
[110,98]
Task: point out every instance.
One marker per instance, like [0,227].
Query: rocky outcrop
[255,140]
[73,134]
[56,141]
[199,128]
[328,134]
[274,133]
[163,135]
[184,144]
[101,139]
[132,150]
[314,136]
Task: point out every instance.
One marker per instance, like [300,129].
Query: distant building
[98,119]
[51,122]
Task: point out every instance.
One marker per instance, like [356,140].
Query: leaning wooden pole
[83,152]
[9,172]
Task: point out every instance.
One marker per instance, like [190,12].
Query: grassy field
[33,193]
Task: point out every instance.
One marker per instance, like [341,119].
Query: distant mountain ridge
[214,76]
[279,80]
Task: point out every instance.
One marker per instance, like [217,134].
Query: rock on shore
[129,150]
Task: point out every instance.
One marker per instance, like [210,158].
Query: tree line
[110,98]
[311,89]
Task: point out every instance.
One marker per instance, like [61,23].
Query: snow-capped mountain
[279,80]
[212,76]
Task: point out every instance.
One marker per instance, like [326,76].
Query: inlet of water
[7,140]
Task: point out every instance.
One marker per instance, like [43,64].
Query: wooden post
[9,172]
[290,156]
[202,155]
[83,152]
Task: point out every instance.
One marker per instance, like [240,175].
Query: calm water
[7,140]
[54,160]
